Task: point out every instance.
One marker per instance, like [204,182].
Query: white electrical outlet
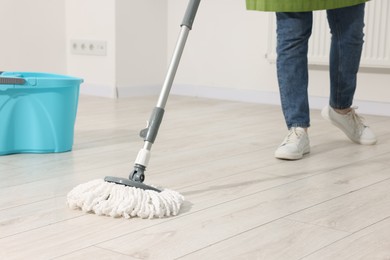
[86,47]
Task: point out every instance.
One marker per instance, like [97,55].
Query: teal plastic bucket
[37,112]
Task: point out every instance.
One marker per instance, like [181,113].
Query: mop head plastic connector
[115,200]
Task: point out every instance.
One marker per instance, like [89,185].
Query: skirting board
[136,91]
[271,98]
[117,92]
[98,90]
[241,95]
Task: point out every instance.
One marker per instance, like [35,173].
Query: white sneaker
[351,124]
[294,145]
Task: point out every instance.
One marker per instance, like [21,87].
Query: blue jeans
[293,33]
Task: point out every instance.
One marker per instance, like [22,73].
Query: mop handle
[186,26]
[189,17]
[149,134]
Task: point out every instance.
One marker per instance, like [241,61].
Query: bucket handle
[11,81]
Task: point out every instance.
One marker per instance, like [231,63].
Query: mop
[130,197]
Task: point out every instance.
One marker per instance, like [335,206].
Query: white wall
[141,46]
[225,58]
[92,20]
[135,32]
[225,51]
[32,36]
[225,47]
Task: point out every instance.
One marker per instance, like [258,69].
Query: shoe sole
[291,157]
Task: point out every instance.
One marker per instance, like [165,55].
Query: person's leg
[346,26]
[293,33]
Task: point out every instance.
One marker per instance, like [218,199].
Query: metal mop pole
[149,134]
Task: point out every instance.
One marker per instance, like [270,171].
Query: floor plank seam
[338,240]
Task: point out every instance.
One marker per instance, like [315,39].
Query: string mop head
[115,200]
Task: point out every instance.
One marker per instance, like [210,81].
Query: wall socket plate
[88,47]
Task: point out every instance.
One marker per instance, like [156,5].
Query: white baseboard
[272,98]
[98,90]
[118,92]
[242,95]
[135,91]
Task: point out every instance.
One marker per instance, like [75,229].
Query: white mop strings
[115,200]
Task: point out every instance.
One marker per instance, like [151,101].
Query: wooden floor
[241,202]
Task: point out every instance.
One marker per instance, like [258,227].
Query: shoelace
[356,119]
[292,136]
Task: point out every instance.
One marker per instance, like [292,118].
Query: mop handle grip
[189,16]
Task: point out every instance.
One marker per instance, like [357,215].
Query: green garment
[298,5]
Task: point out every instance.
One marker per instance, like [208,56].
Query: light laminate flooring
[241,202]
